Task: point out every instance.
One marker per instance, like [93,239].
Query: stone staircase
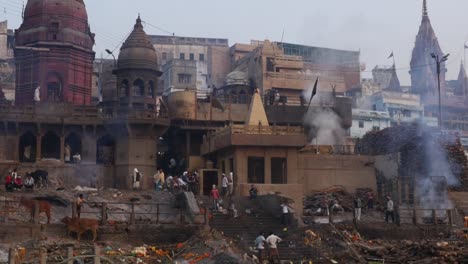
[246,228]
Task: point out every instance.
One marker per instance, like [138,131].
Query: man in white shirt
[224,185]
[284,214]
[390,210]
[273,241]
[260,244]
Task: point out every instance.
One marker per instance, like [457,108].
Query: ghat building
[236,127]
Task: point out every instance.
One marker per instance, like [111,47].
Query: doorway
[210,178]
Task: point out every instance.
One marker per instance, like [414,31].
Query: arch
[124,88]
[27,147]
[242,97]
[105,152]
[138,88]
[50,146]
[72,146]
[150,93]
[54,86]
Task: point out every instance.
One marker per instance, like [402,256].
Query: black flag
[314,92]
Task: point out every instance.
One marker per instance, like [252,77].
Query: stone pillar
[62,148]
[188,147]
[38,146]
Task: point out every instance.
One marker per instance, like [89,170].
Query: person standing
[273,241]
[357,208]
[390,210]
[224,185]
[215,197]
[156,179]
[162,179]
[284,214]
[370,200]
[9,182]
[79,204]
[136,179]
[253,192]
[260,244]
[231,183]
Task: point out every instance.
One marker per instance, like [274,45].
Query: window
[164,56]
[256,170]
[124,89]
[185,78]
[279,171]
[270,65]
[361,124]
[138,88]
[407,113]
[150,90]
[182,56]
[201,57]
[376,128]
[192,56]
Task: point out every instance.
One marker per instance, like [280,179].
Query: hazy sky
[375,27]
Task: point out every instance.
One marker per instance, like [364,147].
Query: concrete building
[193,63]
[291,69]
[401,107]
[365,121]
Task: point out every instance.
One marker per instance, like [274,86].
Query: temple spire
[425,14]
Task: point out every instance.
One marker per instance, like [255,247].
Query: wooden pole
[70,255]
[43,256]
[11,256]
[97,255]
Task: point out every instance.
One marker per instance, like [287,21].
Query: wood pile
[413,252]
[315,201]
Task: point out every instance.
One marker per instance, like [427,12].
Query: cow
[40,178]
[44,207]
[80,226]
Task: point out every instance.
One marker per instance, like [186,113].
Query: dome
[55,21]
[137,52]
[237,78]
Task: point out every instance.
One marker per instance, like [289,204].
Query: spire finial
[425,8]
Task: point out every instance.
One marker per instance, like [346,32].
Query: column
[38,146]
[62,148]
[188,147]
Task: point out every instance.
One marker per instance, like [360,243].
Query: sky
[376,28]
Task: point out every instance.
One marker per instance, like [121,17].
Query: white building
[402,107]
[365,121]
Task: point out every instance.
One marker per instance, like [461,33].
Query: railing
[131,213]
[419,216]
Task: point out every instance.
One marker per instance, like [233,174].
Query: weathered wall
[321,171]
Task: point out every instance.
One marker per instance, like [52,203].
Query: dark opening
[27,147]
[210,178]
[50,146]
[242,97]
[53,91]
[138,88]
[270,64]
[150,89]
[231,165]
[105,152]
[124,91]
[279,171]
[72,146]
[256,170]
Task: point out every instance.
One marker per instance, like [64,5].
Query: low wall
[317,172]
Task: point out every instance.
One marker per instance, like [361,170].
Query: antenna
[282,36]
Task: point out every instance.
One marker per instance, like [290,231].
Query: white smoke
[324,123]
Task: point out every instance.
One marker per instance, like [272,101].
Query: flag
[391,56]
[314,92]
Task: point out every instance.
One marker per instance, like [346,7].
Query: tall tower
[54,50]
[423,68]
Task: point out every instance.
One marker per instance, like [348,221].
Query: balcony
[244,135]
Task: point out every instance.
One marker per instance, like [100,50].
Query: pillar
[70,255]
[38,146]
[188,147]
[62,148]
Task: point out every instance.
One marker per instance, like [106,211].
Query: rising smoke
[323,123]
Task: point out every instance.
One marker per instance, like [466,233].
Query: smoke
[438,172]
[323,123]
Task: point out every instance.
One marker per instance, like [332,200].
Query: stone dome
[55,21]
[237,78]
[138,52]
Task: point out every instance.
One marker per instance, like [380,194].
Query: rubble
[314,202]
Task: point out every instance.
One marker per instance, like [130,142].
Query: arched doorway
[27,147]
[54,87]
[50,146]
[124,89]
[138,88]
[105,152]
[72,146]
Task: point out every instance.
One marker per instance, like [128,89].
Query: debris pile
[315,202]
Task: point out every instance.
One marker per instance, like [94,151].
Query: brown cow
[80,226]
[44,207]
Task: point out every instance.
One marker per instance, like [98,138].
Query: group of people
[227,190]
[269,243]
[188,181]
[14,182]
